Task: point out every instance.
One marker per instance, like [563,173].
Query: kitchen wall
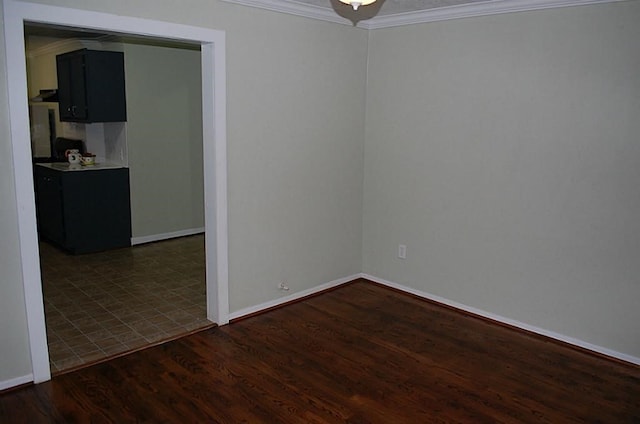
[295,99]
[164,121]
[108,141]
[503,151]
[41,74]
[164,137]
[41,60]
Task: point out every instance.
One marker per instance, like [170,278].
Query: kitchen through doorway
[213,56]
[103,304]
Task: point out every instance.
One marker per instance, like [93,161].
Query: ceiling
[390,13]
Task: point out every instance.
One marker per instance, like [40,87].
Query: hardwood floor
[358,354]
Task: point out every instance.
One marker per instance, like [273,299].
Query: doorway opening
[106,302]
[211,42]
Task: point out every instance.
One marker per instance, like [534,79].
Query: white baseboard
[294,296]
[510,322]
[7,384]
[166,236]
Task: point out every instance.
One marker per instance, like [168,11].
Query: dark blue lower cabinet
[84,211]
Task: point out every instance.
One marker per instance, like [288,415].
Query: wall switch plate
[402,251]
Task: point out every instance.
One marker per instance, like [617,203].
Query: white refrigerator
[42,122]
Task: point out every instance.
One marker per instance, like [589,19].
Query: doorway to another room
[100,298]
[211,247]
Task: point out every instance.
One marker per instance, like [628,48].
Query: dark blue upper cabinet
[91,86]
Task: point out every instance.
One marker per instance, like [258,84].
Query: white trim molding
[166,236]
[510,322]
[491,7]
[295,8]
[14,382]
[294,296]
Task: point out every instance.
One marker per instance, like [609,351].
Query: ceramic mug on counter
[88,159]
[73,156]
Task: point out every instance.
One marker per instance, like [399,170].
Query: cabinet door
[78,84]
[49,205]
[63,67]
[72,93]
[105,86]
[97,209]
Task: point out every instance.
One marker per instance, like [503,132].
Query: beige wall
[164,139]
[41,61]
[295,105]
[14,346]
[296,92]
[41,71]
[503,151]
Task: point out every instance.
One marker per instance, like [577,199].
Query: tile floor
[102,304]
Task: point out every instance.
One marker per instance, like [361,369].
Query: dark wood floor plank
[470,351]
[358,354]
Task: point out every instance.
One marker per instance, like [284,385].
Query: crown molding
[491,7]
[294,8]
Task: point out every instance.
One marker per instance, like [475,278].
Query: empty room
[415,211]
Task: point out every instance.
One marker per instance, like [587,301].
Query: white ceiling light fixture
[357,3]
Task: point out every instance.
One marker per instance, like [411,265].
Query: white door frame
[212,43]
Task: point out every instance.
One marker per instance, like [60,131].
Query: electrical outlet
[402,251]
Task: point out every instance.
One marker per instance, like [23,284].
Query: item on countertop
[73,156]
[61,145]
[88,159]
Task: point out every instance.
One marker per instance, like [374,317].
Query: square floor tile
[103,304]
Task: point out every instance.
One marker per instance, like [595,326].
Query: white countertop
[62,166]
